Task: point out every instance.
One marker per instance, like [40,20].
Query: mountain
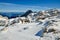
[11,14]
[27,13]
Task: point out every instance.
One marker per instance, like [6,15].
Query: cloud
[9,7]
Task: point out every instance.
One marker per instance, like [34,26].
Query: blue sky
[23,5]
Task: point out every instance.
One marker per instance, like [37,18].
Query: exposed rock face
[26,13]
[41,14]
[24,20]
[3,21]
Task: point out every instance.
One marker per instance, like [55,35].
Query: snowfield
[28,31]
[42,25]
[17,32]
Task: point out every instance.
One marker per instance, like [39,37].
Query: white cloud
[9,7]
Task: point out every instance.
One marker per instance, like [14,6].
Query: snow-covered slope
[17,32]
[47,28]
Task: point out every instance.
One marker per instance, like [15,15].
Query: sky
[23,5]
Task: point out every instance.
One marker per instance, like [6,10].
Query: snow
[28,31]
[17,32]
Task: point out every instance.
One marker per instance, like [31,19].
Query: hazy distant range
[11,14]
